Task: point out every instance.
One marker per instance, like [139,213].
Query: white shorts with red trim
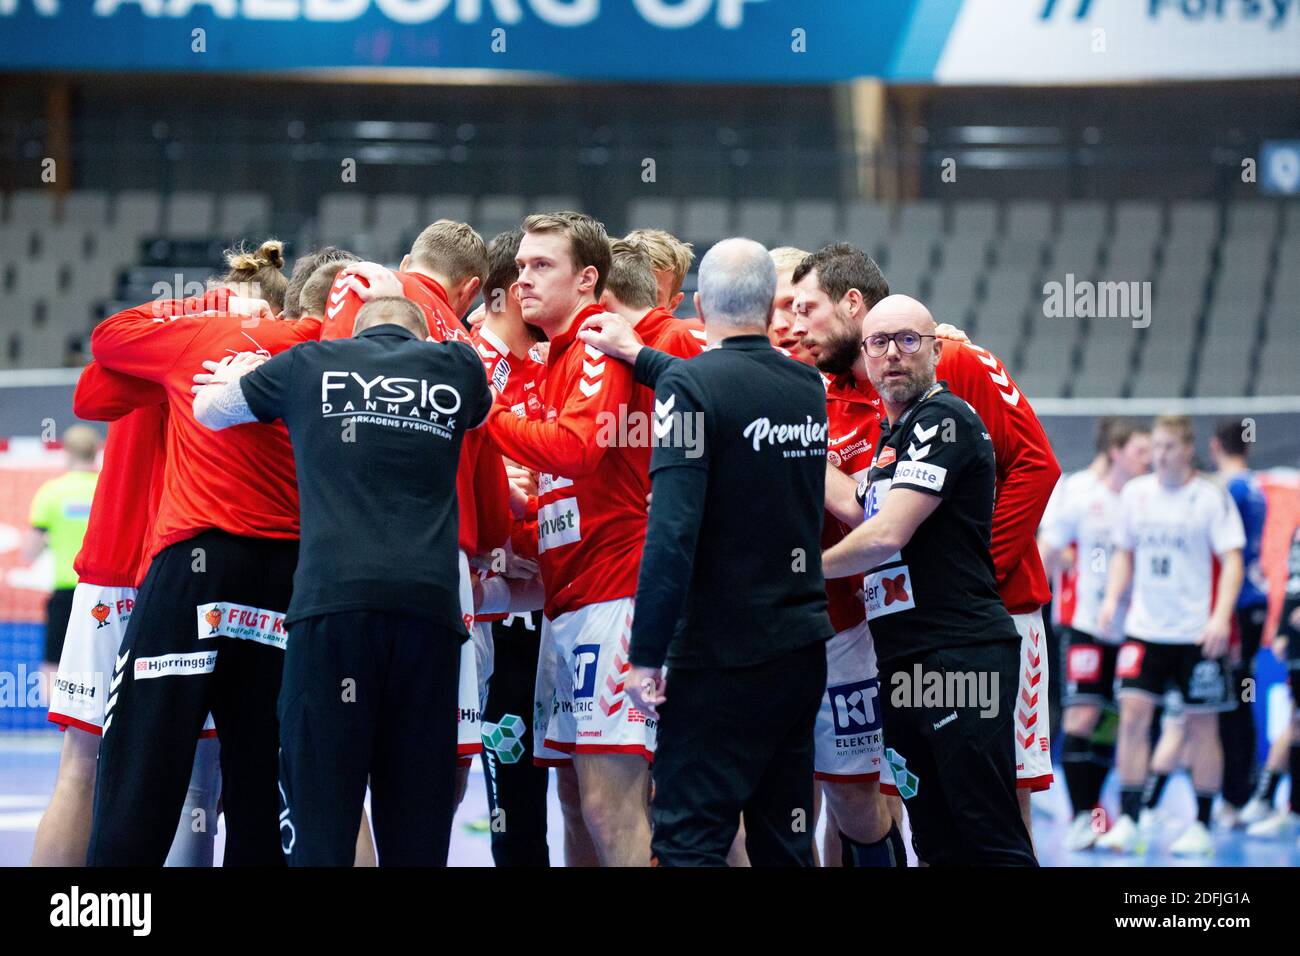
[847,740]
[82,684]
[1033,742]
[590,712]
[469,713]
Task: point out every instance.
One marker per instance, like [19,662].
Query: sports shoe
[1082,833]
[1124,836]
[1227,816]
[1280,823]
[1256,809]
[1195,841]
[1152,822]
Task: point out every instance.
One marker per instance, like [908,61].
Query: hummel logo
[339,294]
[121,661]
[592,371]
[915,453]
[925,434]
[594,352]
[589,388]
[663,408]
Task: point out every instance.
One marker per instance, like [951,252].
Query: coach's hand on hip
[646,687]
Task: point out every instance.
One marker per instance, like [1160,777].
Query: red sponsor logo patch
[1129,661]
[886,456]
[1084,663]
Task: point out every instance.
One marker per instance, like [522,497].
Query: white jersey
[1174,535]
[1087,516]
[1068,488]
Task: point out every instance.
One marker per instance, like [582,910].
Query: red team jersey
[115,552]
[1027,471]
[240,480]
[853,411]
[482,491]
[591,493]
[518,381]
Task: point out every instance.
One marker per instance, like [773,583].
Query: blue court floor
[29,761]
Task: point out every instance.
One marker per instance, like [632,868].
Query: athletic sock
[1130,801]
[1155,789]
[1268,784]
[888,851]
[1076,761]
[1103,758]
[1204,804]
[1295,775]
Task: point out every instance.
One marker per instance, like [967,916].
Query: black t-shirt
[940,590]
[376,423]
[731,571]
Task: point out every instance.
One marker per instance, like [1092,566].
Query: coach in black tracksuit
[730,593]
[948,650]
[372,660]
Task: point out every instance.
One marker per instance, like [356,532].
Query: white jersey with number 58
[1174,535]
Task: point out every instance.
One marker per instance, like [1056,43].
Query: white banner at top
[1103,41]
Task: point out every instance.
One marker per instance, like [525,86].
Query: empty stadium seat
[1084,218]
[342,217]
[705,221]
[762,220]
[652,212]
[1029,219]
[1252,217]
[31,207]
[922,217]
[137,213]
[189,215]
[813,224]
[396,222]
[1135,217]
[84,208]
[975,218]
[1198,219]
[554,203]
[866,224]
[498,213]
[243,215]
[457,208]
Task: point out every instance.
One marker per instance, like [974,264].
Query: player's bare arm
[1117,583]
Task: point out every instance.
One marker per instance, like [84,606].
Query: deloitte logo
[506,738]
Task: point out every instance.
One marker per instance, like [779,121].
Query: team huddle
[459,411]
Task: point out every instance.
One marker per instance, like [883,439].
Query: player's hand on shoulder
[229,369]
[946,331]
[370,280]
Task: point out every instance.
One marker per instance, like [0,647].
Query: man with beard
[933,603]
[838,285]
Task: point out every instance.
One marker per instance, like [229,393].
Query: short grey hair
[737,283]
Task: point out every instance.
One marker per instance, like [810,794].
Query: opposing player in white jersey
[1084,517]
[1171,527]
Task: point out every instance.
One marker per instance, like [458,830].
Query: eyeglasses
[908,342]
